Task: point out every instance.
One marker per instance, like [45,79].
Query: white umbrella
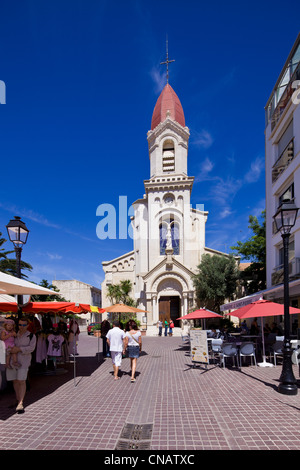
[15,286]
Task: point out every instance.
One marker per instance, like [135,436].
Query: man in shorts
[25,343]
[115,338]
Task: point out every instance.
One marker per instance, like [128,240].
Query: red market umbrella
[262,308]
[49,307]
[200,314]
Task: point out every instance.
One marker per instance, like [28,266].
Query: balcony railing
[294,271]
[285,98]
[283,161]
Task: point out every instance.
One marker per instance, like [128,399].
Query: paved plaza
[171,406]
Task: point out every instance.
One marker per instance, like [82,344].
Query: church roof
[167,105]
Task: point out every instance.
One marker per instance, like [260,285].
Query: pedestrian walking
[166,328]
[105,327]
[171,326]
[133,340]
[115,338]
[159,325]
[73,338]
[25,343]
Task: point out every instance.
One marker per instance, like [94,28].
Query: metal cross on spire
[167,61]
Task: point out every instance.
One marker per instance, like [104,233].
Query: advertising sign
[199,349]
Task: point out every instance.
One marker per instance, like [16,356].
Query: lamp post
[18,233]
[285,219]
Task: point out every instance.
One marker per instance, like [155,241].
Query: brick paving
[190,408]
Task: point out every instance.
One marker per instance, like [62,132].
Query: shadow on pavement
[41,383]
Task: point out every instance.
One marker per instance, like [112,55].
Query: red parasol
[261,308]
[202,313]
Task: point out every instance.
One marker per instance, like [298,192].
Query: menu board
[199,349]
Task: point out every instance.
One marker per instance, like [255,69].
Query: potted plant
[96,330]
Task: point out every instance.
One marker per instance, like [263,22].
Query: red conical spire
[167,105]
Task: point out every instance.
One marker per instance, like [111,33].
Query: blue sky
[82,79]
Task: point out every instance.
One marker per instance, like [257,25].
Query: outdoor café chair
[247,350]
[277,350]
[216,347]
[185,338]
[229,350]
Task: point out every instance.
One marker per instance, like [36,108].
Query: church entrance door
[169,309]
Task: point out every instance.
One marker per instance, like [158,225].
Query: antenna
[167,61]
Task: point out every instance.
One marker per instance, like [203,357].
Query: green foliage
[216,280]
[119,293]
[254,250]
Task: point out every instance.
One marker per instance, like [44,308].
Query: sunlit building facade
[282,157]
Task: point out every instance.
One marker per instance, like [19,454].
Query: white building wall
[291,174]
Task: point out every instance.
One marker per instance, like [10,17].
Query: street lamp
[18,233]
[285,219]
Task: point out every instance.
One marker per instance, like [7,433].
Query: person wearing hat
[25,343]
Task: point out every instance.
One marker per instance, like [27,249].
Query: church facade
[168,234]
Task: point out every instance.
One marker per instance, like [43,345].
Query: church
[168,234]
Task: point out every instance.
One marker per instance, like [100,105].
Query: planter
[143,332]
[97,333]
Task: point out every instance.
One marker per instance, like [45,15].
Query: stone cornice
[170,125]
[179,266]
[169,182]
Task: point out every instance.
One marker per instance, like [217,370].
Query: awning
[49,307]
[15,286]
[268,294]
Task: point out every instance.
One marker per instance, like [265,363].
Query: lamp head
[285,217]
[17,232]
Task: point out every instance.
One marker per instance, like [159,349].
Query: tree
[254,250]
[9,265]
[216,280]
[120,292]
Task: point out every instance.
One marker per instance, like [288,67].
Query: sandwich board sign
[199,349]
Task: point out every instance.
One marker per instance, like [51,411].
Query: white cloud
[203,139]
[226,212]
[255,171]
[54,256]
[205,169]
[29,214]
[159,79]
[42,220]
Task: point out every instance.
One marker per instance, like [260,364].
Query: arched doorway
[169,292]
[169,308]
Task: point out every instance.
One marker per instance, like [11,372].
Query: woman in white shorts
[25,343]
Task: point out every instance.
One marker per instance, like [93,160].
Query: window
[168,157]
[175,238]
[287,195]
[164,230]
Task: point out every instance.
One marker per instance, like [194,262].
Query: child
[8,336]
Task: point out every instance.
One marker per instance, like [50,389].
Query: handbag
[138,344]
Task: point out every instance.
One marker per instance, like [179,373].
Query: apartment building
[282,164]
